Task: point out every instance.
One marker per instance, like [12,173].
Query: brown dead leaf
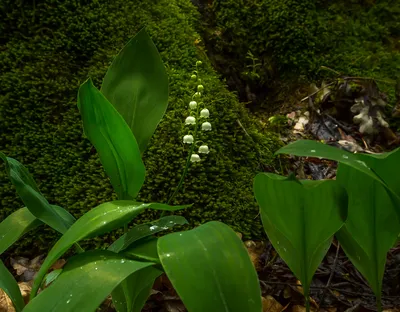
[58,265]
[299,308]
[271,305]
[300,290]
[6,304]
[239,235]
[255,250]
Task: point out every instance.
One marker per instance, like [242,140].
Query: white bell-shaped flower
[205,113]
[190,120]
[203,149]
[192,104]
[200,88]
[195,158]
[188,139]
[197,95]
[206,126]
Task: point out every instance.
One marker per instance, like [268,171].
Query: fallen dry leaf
[255,250]
[299,308]
[300,290]
[6,304]
[269,304]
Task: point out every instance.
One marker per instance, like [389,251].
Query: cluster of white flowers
[191,120]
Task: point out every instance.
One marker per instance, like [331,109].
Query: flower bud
[195,158]
[205,113]
[197,95]
[198,63]
[206,126]
[190,120]
[193,104]
[203,149]
[188,139]
[193,77]
[200,88]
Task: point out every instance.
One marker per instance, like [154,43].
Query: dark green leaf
[210,269]
[372,226]
[102,219]
[16,225]
[144,250]
[300,219]
[114,141]
[54,216]
[132,294]
[85,282]
[137,85]
[143,230]
[10,287]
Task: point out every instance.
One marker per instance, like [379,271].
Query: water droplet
[180,234]
[168,255]
[104,222]
[95,268]
[312,151]
[278,242]
[171,221]
[153,227]
[122,261]
[68,301]
[345,156]
[70,295]
[284,249]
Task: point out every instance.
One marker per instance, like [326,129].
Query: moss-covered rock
[48,49]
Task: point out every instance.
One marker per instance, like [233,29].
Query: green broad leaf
[133,292]
[15,226]
[144,230]
[372,226]
[114,141]
[51,277]
[54,216]
[300,219]
[210,269]
[11,288]
[309,148]
[136,84]
[144,250]
[101,219]
[85,282]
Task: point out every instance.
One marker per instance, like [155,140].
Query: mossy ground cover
[48,48]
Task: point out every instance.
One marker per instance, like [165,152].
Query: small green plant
[119,120]
[372,224]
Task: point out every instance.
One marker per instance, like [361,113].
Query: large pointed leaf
[143,230]
[132,294]
[144,250]
[372,226]
[137,85]
[300,219]
[10,287]
[85,282]
[101,219]
[113,140]
[16,225]
[54,216]
[210,269]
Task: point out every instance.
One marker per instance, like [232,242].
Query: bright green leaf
[144,230]
[16,225]
[144,250]
[132,294]
[210,269]
[10,287]
[372,226]
[85,282]
[300,219]
[114,141]
[54,216]
[51,277]
[136,84]
[101,219]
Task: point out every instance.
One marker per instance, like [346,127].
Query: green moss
[48,49]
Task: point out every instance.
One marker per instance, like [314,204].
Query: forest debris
[255,250]
[6,304]
[26,268]
[269,304]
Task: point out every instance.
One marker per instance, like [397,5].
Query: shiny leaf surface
[10,287]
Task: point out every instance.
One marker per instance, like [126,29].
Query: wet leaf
[144,250]
[300,231]
[114,141]
[15,226]
[210,269]
[10,287]
[85,282]
[136,84]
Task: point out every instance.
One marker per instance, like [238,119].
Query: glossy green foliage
[293,218]
[54,216]
[15,226]
[9,285]
[210,269]
[85,282]
[373,224]
[132,294]
[114,141]
[136,84]
[143,230]
[144,250]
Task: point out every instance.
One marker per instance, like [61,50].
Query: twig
[321,302]
[329,84]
